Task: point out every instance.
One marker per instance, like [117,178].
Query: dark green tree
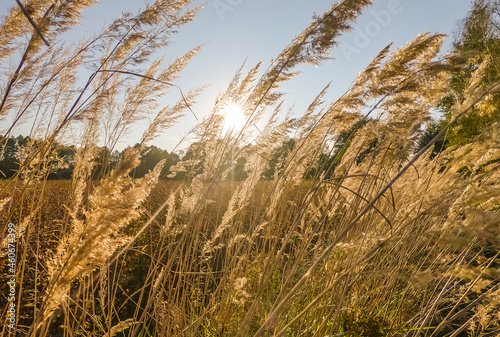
[151,157]
[278,158]
[102,165]
[478,41]
[9,163]
[237,172]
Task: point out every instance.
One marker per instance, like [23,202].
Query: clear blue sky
[257,30]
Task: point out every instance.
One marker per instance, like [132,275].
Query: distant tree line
[106,160]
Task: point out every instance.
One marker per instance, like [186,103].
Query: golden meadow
[375,220]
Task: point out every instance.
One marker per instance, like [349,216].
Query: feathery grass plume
[120,327]
[82,172]
[210,152]
[3,202]
[312,46]
[168,116]
[141,99]
[167,228]
[134,47]
[402,91]
[113,204]
[315,131]
[237,92]
[117,52]
[52,19]
[15,25]
[470,219]
[272,135]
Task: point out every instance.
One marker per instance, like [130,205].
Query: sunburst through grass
[234,118]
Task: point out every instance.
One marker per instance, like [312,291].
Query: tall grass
[393,242]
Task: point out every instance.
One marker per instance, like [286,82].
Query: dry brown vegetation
[393,243]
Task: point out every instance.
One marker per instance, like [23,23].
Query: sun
[234,118]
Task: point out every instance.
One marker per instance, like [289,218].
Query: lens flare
[234,118]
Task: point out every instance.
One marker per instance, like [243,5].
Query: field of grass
[388,237]
[405,264]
